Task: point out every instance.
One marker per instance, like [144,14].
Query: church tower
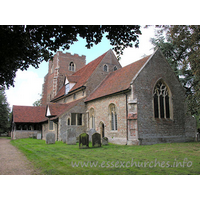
[62,64]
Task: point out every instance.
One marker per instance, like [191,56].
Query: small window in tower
[71,66]
[115,68]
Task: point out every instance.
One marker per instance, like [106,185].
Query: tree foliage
[181,46]
[22,46]
[4,112]
[38,102]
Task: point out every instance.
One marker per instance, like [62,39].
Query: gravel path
[12,161]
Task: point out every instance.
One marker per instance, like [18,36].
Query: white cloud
[27,88]
[145,47]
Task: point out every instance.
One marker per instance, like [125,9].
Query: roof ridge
[28,106]
[137,60]
[124,76]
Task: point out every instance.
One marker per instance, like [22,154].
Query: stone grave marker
[104,141]
[71,136]
[83,141]
[96,140]
[50,138]
[39,136]
[64,137]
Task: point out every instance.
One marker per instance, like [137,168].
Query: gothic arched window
[92,118]
[113,114]
[161,101]
[105,68]
[71,66]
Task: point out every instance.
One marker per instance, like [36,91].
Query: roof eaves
[114,93]
[67,109]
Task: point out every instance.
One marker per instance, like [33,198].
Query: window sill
[163,120]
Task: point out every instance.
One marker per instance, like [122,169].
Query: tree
[181,47]
[22,46]
[168,49]
[38,102]
[5,112]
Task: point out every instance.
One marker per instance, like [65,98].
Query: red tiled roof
[58,109]
[73,78]
[85,72]
[60,93]
[118,80]
[29,114]
[81,76]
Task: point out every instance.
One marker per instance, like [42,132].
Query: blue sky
[28,84]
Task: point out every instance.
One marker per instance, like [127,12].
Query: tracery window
[113,114]
[161,101]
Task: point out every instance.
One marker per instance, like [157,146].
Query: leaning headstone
[90,133]
[39,136]
[96,140]
[50,138]
[104,141]
[71,136]
[83,140]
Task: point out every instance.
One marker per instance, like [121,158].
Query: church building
[141,103]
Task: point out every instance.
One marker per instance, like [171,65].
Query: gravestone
[71,136]
[64,137]
[96,140]
[104,141]
[39,136]
[83,141]
[90,133]
[50,138]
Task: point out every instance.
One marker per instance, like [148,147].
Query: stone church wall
[45,130]
[18,134]
[99,74]
[101,109]
[155,130]
[63,121]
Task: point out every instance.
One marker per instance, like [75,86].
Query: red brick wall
[55,80]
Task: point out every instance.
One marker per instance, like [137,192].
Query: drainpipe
[57,128]
[126,119]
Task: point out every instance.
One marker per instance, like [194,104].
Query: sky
[28,84]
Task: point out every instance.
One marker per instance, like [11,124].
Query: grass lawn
[60,158]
